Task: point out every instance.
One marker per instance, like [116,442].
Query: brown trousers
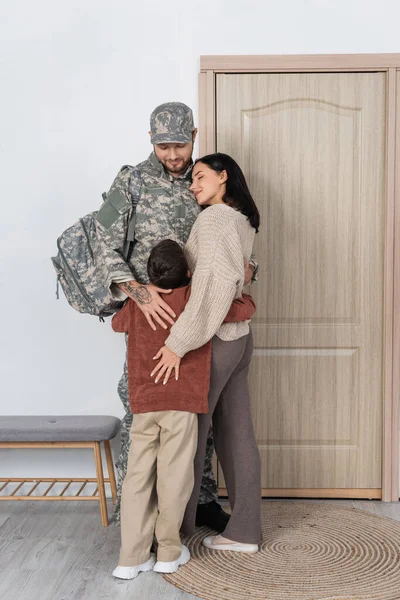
[234,439]
[158,484]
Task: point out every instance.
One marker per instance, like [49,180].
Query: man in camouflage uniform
[166,209]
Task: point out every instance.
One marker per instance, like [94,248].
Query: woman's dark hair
[237,193]
[167,266]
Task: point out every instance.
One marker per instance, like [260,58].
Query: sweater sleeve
[242,309]
[218,271]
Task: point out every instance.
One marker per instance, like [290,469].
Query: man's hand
[168,361]
[248,273]
[148,299]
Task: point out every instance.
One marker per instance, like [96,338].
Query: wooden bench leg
[110,468]
[100,483]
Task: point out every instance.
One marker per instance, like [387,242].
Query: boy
[159,478]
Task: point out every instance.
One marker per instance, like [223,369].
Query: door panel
[312,148]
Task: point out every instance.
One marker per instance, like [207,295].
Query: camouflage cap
[171,122]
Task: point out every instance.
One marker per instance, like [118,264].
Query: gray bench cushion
[74,428]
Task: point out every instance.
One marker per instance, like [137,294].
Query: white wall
[78,82]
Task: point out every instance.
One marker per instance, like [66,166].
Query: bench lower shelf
[4,482]
[98,495]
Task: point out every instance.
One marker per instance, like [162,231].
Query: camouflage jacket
[166,209]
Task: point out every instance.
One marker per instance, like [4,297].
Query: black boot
[212,515]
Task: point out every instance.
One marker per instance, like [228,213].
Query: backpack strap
[135,186]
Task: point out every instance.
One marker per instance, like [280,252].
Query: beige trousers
[158,484]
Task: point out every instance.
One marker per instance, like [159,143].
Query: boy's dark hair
[167,267]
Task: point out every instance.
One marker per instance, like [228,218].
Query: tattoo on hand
[140,293]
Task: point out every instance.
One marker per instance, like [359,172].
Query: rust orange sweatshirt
[190,392]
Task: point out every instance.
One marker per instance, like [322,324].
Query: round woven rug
[309,552]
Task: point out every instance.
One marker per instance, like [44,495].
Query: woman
[221,239]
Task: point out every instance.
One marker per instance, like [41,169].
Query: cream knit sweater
[220,240]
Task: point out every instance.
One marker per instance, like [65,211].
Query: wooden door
[312,147]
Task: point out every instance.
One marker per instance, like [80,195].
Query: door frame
[389,64]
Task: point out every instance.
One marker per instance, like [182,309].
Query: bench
[82,431]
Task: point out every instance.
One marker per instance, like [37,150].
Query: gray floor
[60,551]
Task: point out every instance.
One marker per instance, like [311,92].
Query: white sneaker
[132,572]
[173,566]
[211,542]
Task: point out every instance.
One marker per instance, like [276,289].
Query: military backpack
[79,265]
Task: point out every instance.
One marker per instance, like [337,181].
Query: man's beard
[179,169]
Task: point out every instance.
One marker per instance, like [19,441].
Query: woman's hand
[248,273]
[168,361]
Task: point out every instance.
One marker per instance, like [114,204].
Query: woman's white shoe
[211,542]
[132,572]
[173,566]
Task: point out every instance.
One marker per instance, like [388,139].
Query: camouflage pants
[208,491]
